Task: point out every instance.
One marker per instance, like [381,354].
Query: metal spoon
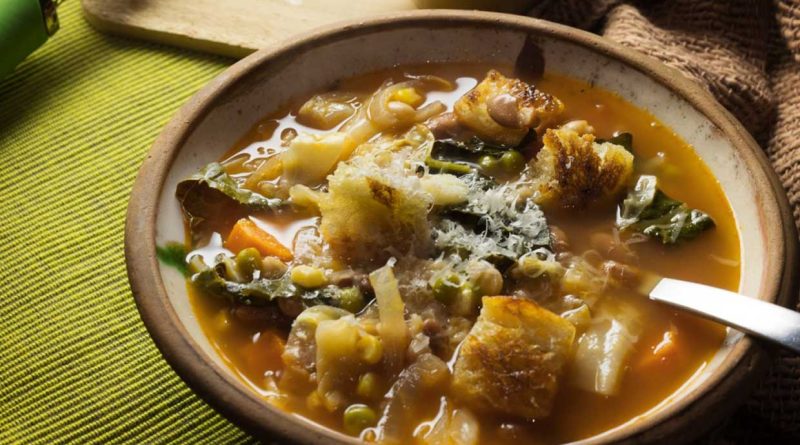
[758,318]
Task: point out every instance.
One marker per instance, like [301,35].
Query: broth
[253,349]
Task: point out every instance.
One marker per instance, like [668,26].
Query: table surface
[76,363]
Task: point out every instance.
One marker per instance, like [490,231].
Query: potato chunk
[502,110]
[574,171]
[513,357]
[370,214]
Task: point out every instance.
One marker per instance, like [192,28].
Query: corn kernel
[370,348]
[408,96]
[308,276]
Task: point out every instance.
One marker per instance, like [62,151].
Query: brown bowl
[217,116]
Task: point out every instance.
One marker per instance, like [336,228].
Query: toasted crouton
[574,171]
[370,214]
[502,110]
[513,357]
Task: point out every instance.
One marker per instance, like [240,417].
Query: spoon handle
[759,318]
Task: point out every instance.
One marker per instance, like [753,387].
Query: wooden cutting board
[228,27]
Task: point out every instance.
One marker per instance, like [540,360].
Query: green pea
[446,287]
[368,387]
[512,161]
[487,163]
[358,417]
[248,261]
[351,299]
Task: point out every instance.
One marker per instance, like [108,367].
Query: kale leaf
[258,291]
[496,224]
[461,157]
[625,140]
[650,211]
[212,193]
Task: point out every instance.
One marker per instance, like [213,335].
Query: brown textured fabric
[747,54]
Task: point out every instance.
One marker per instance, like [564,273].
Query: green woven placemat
[76,363]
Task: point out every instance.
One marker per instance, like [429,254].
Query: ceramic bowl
[216,117]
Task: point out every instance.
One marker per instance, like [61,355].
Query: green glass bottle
[24,26]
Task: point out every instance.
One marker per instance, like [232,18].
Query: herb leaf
[173,254]
[650,211]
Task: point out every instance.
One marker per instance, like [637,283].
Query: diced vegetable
[325,111]
[513,358]
[393,331]
[650,211]
[247,234]
[325,151]
[446,190]
[344,349]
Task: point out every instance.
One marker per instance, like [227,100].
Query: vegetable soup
[447,254]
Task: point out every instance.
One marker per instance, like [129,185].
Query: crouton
[502,110]
[574,171]
[513,357]
[370,214]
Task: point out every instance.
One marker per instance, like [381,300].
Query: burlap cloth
[747,54]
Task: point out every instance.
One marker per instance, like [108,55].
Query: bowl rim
[730,383]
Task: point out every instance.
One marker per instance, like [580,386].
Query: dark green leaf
[650,211]
[499,234]
[173,254]
[212,193]
[623,139]
[461,157]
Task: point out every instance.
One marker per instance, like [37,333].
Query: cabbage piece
[453,426]
[391,310]
[342,355]
[300,352]
[427,376]
[602,351]
[310,158]
[651,212]
[325,111]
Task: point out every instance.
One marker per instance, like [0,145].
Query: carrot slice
[246,233]
[665,351]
